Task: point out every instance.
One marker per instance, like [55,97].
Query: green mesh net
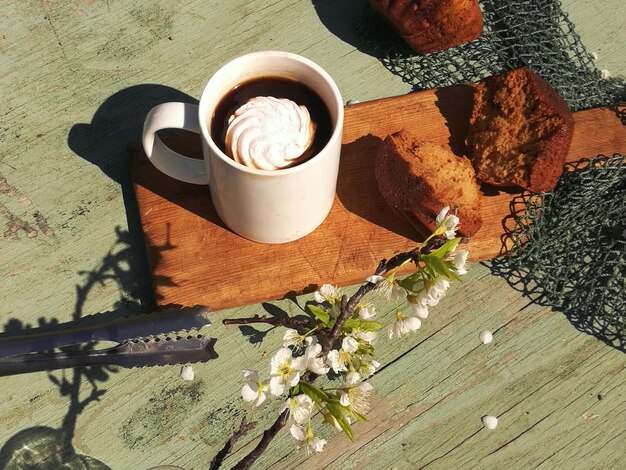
[532,33]
[567,248]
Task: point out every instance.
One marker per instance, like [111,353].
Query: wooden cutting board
[195,259]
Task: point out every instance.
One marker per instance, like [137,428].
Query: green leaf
[409,281]
[319,313]
[365,325]
[316,394]
[357,415]
[335,409]
[446,248]
[440,267]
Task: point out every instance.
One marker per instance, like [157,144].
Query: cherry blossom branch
[437,275]
[348,305]
[276,321]
[268,435]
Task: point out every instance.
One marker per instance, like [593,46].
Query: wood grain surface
[77,79]
[205,262]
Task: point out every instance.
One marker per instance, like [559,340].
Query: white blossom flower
[313,443]
[339,360]
[292,338]
[404,325]
[366,311]
[300,408]
[390,289]
[367,368]
[254,390]
[312,359]
[448,221]
[438,289]
[364,336]
[434,294]
[459,262]
[285,371]
[327,293]
[356,397]
[419,304]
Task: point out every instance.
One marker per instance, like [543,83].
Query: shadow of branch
[44,447]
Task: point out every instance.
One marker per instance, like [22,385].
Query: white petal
[413,323]
[397,292]
[420,310]
[186,373]
[317,366]
[490,422]
[367,336]
[251,375]
[335,361]
[460,260]
[349,344]
[375,279]
[486,336]
[394,330]
[317,444]
[344,399]
[442,215]
[367,312]
[313,349]
[261,398]
[249,392]
[293,379]
[299,364]
[291,338]
[297,432]
[352,378]
[326,292]
[439,288]
[452,221]
[277,386]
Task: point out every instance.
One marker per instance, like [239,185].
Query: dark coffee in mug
[276,87]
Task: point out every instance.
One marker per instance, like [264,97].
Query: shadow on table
[104,143]
[347,19]
[43,447]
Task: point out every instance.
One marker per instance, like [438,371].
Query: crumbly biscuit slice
[417,179]
[520,131]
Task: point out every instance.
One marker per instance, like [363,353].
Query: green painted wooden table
[77,78]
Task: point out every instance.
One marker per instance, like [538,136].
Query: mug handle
[173,116]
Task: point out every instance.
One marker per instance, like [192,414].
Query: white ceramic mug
[266,206]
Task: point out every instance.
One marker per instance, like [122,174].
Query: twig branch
[348,306]
[268,435]
[276,321]
[244,427]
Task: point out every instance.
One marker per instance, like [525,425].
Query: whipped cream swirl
[268,133]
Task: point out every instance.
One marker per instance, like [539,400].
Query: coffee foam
[268,133]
